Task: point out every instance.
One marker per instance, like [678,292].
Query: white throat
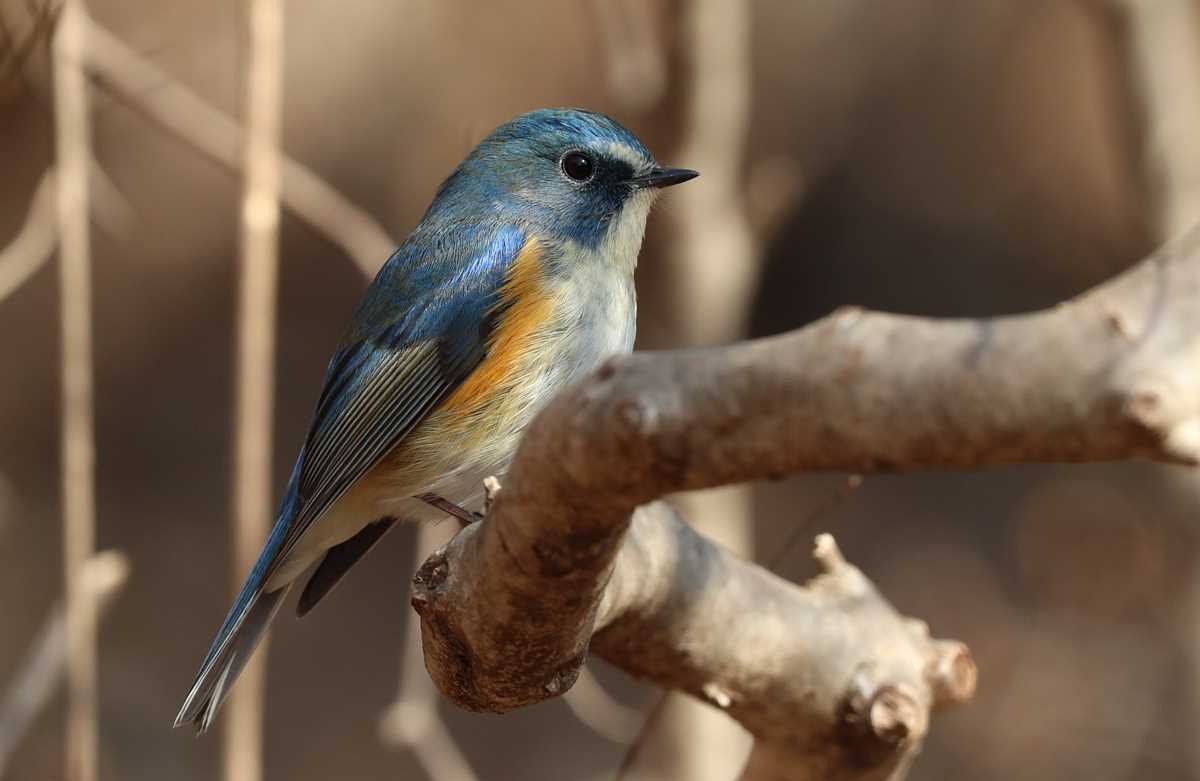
[621,244]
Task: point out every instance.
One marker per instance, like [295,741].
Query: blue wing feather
[421,328]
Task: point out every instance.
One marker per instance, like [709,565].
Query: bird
[518,281]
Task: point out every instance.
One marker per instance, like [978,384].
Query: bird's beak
[662,177]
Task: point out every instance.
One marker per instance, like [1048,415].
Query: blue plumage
[527,250]
[451,324]
[514,175]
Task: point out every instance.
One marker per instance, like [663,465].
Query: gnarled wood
[828,677]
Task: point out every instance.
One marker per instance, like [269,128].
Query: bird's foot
[464,516]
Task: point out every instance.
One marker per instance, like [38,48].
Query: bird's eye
[578,166]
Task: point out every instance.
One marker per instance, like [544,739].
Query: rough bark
[832,682]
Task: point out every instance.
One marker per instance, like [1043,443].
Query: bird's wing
[416,338]
[420,331]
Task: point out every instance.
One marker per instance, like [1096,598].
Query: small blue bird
[517,281]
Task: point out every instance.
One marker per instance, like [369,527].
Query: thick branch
[830,679]
[1112,374]
[829,676]
[829,672]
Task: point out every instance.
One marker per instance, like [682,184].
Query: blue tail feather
[215,679]
[243,626]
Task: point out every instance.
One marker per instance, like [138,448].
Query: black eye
[578,166]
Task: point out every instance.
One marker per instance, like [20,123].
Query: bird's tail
[243,627]
[232,651]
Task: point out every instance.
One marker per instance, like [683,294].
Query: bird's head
[575,174]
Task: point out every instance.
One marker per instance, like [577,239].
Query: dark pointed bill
[662,177]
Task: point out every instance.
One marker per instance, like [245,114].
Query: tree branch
[150,91]
[1162,63]
[832,682]
[255,384]
[1112,374]
[830,671]
[73,151]
[34,243]
[40,674]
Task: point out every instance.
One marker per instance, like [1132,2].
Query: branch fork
[577,554]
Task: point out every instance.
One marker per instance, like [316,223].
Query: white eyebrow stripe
[624,153]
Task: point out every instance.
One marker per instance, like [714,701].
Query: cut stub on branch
[829,678]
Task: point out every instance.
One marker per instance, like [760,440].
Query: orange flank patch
[527,306]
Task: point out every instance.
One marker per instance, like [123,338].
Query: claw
[464,516]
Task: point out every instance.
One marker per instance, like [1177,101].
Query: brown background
[954,158]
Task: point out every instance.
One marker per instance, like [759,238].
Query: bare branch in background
[714,263]
[256,359]
[509,607]
[34,244]
[1162,52]
[18,46]
[600,712]
[1161,42]
[73,143]
[714,254]
[635,61]
[150,91]
[38,677]
[110,209]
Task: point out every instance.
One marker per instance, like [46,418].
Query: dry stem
[150,91]
[256,358]
[73,139]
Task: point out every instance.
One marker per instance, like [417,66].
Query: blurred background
[937,157]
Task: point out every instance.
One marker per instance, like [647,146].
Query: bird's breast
[555,326]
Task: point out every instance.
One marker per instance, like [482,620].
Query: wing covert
[420,331]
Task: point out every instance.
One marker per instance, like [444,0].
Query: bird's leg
[464,516]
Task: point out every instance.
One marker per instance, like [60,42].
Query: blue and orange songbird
[517,281]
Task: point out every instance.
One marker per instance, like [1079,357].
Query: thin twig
[73,136]
[256,357]
[110,209]
[151,92]
[14,55]
[803,528]
[637,747]
[34,243]
[600,712]
[38,678]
